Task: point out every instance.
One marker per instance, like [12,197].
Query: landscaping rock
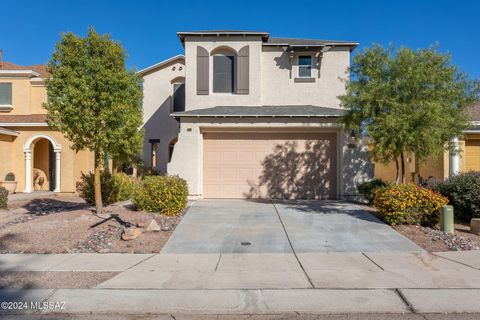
[131,234]
[152,226]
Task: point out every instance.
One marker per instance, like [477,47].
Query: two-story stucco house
[35,156]
[245,115]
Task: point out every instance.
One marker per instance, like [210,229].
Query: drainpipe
[454,157]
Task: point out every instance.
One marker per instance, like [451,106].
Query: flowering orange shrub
[408,204]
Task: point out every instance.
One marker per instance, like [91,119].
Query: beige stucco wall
[157,106]
[27,96]
[71,163]
[353,166]
[279,88]
[194,101]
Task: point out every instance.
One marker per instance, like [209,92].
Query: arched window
[224,70]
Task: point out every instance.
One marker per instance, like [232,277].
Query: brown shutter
[242,77]
[202,71]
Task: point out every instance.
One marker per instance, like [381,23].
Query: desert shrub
[110,188]
[463,192]
[125,185]
[408,204]
[366,189]
[3,198]
[163,194]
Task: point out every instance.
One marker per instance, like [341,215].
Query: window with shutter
[6,94]
[223,73]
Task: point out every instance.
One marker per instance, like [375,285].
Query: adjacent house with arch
[258,117]
[38,158]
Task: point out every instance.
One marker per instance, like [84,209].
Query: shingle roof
[307,42]
[263,111]
[39,68]
[28,118]
[474,111]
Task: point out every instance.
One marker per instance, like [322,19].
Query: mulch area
[53,280]
[61,223]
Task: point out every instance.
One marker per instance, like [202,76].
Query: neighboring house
[40,158]
[259,119]
[449,163]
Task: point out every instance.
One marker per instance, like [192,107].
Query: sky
[147,29]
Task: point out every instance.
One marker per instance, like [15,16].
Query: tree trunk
[402,159]
[98,184]
[397,176]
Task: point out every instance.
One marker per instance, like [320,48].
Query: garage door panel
[270,165]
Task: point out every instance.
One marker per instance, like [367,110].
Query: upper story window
[223,73]
[305,66]
[5,94]
[178,96]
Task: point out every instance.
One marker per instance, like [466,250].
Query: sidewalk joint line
[371,260]
[291,246]
[218,262]
[405,300]
[60,263]
[136,264]
[449,259]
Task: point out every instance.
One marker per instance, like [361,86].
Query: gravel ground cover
[434,240]
[53,280]
[61,223]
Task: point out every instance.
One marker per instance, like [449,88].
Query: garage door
[472,155]
[270,165]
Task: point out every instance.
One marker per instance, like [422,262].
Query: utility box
[475,226]
[446,219]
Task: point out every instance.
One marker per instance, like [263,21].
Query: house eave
[160,64]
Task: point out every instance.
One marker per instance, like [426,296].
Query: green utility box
[446,219]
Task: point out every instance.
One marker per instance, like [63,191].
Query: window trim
[298,66]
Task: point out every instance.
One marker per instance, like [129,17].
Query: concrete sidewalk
[310,301]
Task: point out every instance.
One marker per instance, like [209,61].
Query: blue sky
[147,29]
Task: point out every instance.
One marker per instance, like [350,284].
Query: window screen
[5,93]
[223,74]
[178,97]
[305,66]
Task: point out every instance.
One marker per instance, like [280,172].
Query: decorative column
[57,170]
[454,157]
[28,170]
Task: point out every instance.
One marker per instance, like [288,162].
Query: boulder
[152,226]
[131,234]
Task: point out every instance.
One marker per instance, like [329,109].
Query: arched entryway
[42,163]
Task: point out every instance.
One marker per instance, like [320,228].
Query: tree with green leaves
[407,102]
[94,100]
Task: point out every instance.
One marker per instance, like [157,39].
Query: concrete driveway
[242,226]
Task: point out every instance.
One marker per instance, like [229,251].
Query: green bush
[116,187]
[3,198]
[463,192]
[125,185]
[408,204]
[163,194]
[366,189]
